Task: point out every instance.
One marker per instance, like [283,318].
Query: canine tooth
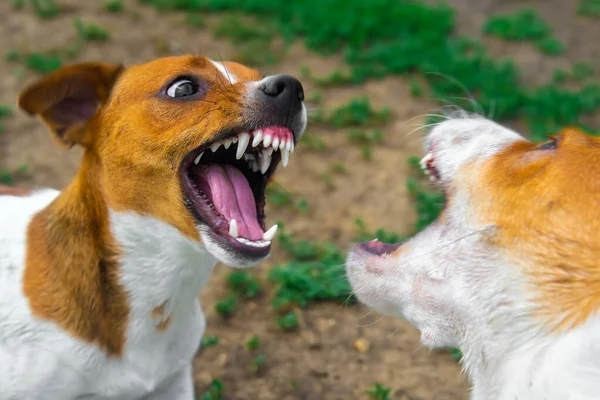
[270,234]
[197,160]
[257,138]
[233,228]
[215,146]
[267,140]
[265,163]
[242,145]
[425,160]
[275,143]
[285,157]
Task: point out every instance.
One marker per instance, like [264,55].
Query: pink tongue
[232,198]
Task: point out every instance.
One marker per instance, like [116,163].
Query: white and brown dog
[99,282]
[510,271]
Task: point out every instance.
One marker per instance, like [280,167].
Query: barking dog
[99,282]
[510,271]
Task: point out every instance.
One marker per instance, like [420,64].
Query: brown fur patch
[72,272]
[544,205]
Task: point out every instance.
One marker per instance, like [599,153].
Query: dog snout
[283,92]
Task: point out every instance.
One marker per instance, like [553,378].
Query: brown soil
[320,360]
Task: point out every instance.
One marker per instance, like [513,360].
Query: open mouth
[224,183]
[428,166]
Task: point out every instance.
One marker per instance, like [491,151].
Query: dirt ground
[319,361]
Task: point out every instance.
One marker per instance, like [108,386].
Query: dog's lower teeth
[259,243]
[197,160]
[265,163]
[233,228]
[270,234]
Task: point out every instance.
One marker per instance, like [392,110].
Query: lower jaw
[232,245]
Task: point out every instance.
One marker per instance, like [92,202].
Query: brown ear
[68,98]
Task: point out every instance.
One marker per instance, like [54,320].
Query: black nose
[283,89]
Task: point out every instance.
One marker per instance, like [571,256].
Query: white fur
[231,78]
[459,291]
[40,361]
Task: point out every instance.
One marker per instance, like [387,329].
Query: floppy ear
[67,99]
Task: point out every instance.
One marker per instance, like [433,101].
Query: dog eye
[182,88]
[551,145]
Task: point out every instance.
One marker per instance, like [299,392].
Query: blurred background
[376,74]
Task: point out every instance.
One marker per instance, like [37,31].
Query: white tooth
[267,140]
[285,157]
[426,171]
[234,139]
[257,138]
[275,143]
[283,144]
[233,228]
[265,163]
[241,240]
[262,243]
[432,178]
[291,146]
[269,150]
[270,234]
[425,160]
[197,160]
[242,145]
[227,143]
[215,146]
[254,165]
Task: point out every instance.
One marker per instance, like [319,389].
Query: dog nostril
[283,86]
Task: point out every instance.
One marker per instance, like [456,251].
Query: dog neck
[534,365]
[97,273]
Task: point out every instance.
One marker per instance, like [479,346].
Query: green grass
[379,392]
[215,391]
[226,308]
[589,8]
[358,112]
[253,343]
[90,31]
[44,9]
[114,6]
[522,25]
[550,46]
[365,137]
[243,284]
[209,341]
[257,363]
[252,39]
[288,321]
[195,19]
[314,273]
[43,63]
